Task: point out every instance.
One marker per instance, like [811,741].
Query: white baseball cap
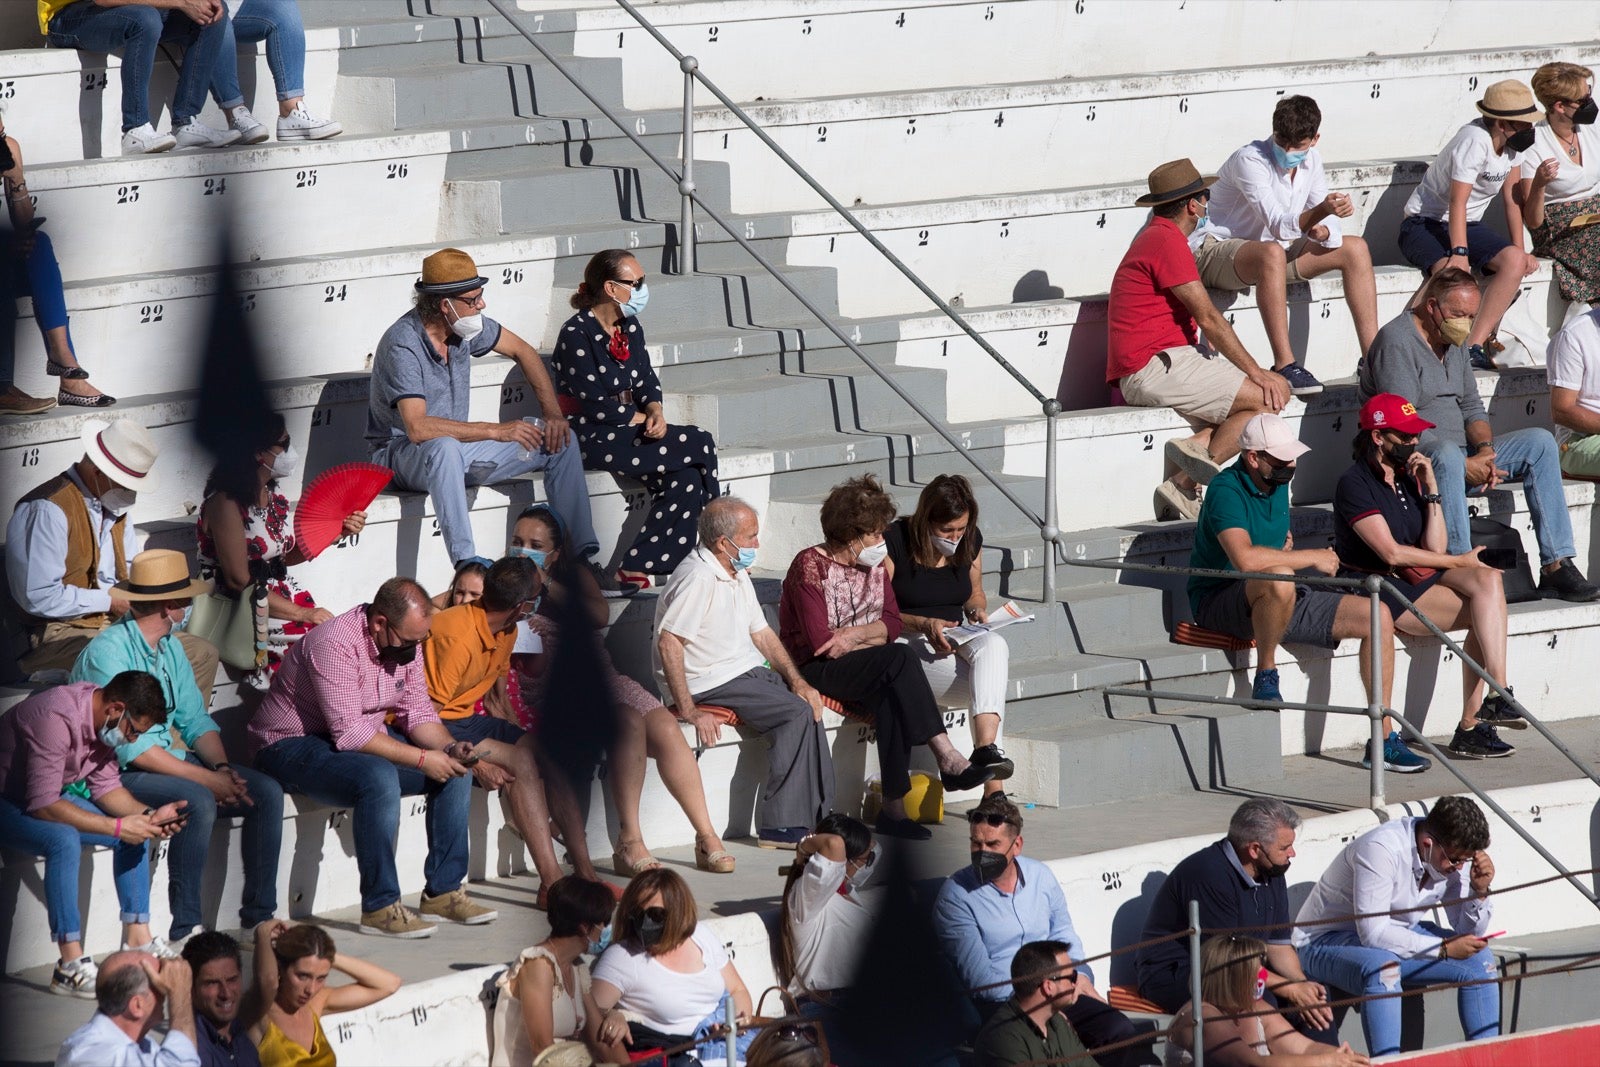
[1269,433]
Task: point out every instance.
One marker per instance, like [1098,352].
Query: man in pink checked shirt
[321,732]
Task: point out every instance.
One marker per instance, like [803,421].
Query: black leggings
[887,684]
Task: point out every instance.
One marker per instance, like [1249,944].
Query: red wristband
[117,831]
[422,759]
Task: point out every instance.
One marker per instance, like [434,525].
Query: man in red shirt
[1157,304]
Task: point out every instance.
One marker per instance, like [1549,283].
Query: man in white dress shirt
[1407,867]
[132,988]
[1573,365]
[1272,221]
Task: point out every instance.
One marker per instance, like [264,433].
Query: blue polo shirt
[1232,501]
[1361,492]
[1228,897]
[406,365]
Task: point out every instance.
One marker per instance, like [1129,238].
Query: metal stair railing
[1373,586]
[1048,525]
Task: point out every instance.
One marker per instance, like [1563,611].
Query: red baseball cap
[1387,411]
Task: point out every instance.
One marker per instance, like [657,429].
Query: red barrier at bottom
[1563,1046]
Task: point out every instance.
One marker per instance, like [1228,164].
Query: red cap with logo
[1387,411]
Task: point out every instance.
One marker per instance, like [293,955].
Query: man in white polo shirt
[1573,365]
[713,646]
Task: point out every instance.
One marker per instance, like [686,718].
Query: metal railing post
[1195,996]
[689,65]
[1050,530]
[1376,798]
[731,1016]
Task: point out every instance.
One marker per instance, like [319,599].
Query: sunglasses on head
[798,1032]
[991,818]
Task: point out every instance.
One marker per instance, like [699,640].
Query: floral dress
[268,538]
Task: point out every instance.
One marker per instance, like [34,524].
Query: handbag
[235,624]
[1502,549]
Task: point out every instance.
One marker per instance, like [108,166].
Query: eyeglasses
[472,301]
[798,1032]
[631,283]
[1068,977]
[989,818]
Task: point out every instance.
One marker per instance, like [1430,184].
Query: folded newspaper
[1580,221]
[1008,614]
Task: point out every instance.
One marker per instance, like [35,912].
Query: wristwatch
[1430,498]
[1459,250]
[1481,445]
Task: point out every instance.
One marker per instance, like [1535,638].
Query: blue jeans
[1532,458]
[186,864]
[1339,959]
[371,787]
[135,30]
[276,22]
[38,275]
[62,848]
[444,467]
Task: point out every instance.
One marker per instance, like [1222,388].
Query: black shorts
[1228,611]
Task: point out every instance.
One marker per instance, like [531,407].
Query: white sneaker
[196,134]
[143,139]
[159,947]
[251,130]
[75,979]
[302,125]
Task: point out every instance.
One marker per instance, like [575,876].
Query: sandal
[635,578]
[719,862]
[61,370]
[623,868]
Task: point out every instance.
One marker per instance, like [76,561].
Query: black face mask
[7,160]
[1520,141]
[398,655]
[1277,475]
[1400,454]
[650,931]
[1587,112]
[1277,870]
[988,865]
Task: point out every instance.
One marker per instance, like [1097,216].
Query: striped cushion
[1187,633]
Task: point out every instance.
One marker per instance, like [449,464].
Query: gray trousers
[799,787]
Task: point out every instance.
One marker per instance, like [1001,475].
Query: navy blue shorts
[1425,242]
[475,728]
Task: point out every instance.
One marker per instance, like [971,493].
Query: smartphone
[1499,558]
[182,816]
[471,761]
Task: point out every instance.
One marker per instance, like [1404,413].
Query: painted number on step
[619,40]
[1078,7]
[901,21]
[867,736]
[922,238]
[1044,339]
[638,126]
[419,806]
[952,719]
[822,135]
[30,457]
[1531,405]
[8,88]
[247,302]
[1534,811]
[397,170]
[1338,423]
[1005,228]
[419,1015]
[151,312]
[711,34]
[633,238]
[337,819]
[988,13]
[334,293]
[1472,83]
[511,394]
[436,531]
[727,946]
[1149,442]
[1183,105]
[1000,118]
[1091,115]
[345,1032]
[1327,309]
[127,194]
[510,275]
[1112,880]
[321,417]
[94,81]
[911,127]
[1377,90]
[305,179]
[215,187]
[805,27]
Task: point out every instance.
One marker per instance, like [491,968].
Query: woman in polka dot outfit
[612,395]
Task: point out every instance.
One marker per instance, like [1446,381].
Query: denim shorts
[1425,242]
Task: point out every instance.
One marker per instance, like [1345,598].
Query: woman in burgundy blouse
[839,620]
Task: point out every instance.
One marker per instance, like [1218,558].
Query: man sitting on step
[1573,365]
[713,646]
[1272,221]
[320,732]
[1157,306]
[1244,526]
[69,542]
[419,409]
[1421,354]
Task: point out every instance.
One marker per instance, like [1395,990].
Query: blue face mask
[597,947]
[183,623]
[534,554]
[744,560]
[1288,160]
[636,303]
[111,734]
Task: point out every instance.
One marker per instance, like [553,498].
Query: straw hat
[160,574]
[123,451]
[1177,180]
[450,272]
[1509,100]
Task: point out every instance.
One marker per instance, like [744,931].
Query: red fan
[337,491]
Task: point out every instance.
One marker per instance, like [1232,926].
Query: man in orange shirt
[467,657]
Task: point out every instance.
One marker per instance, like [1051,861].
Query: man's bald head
[722,517]
[122,977]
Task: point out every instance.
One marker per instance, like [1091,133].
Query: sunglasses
[1067,977]
[798,1032]
[631,283]
[653,914]
[989,818]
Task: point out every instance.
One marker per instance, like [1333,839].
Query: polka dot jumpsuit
[679,470]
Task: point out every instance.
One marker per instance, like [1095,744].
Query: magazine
[1007,615]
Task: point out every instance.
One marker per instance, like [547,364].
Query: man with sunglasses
[1392,876]
[1032,1025]
[321,732]
[989,910]
[1244,526]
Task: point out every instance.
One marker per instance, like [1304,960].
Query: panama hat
[160,574]
[1509,100]
[449,272]
[1176,180]
[123,451]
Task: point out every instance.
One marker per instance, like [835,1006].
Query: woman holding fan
[245,538]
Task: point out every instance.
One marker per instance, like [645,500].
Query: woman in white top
[664,974]
[545,996]
[1561,179]
[1233,981]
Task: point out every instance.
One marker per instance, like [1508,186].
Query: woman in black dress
[615,407]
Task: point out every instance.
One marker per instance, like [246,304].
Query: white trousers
[973,677]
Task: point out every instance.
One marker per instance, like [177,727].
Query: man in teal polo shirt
[1244,526]
[159,592]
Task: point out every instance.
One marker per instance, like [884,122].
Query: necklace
[1570,146]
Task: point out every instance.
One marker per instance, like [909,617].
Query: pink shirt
[331,684]
[47,742]
[820,596]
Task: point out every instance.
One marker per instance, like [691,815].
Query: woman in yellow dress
[292,967]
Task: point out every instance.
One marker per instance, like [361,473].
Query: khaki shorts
[1215,260]
[1201,388]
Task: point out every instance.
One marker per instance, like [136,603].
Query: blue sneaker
[1397,757]
[1266,686]
[1480,359]
[1301,381]
[784,837]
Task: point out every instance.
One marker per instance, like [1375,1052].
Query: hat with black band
[1177,180]
[159,574]
[1509,100]
[449,272]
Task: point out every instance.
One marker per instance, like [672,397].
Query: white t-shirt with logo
[1574,181]
[1469,157]
[1573,362]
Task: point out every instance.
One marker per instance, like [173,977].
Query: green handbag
[235,623]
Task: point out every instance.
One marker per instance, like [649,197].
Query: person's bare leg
[1487,622]
[71,950]
[1449,611]
[1271,607]
[946,755]
[529,813]
[1353,260]
[135,934]
[1354,619]
[286,107]
[680,774]
[561,796]
[627,769]
[1262,264]
[1499,290]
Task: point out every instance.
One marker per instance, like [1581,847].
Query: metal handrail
[1374,585]
[1049,529]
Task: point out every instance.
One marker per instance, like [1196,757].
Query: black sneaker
[904,829]
[1566,582]
[991,757]
[1480,742]
[1480,359]
[974,776]
[611,587]
[1301,381]
[1497,711]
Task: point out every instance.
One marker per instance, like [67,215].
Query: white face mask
[466,327]
[873,555]
[945,546]
[117,499]
[284,463]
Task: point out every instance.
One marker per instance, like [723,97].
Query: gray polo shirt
[406,365]
[1443,390]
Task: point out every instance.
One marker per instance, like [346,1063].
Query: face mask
[873,555]
[1276,870]
[1279,475]
[1586,113]
[1261,983]
[988,865]
[1398,454]
[859,877]
[537,555]
[188,613]
[636,303]
[1203,221]
[597,947]
[111,734]
[397,655]
[946,547]
[1455,331]
[651,931]
[1288,160]
[117,499]
[284,463]
[466,327]
[1521,141]
[744,560]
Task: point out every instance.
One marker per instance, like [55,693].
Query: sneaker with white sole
[159,947]
[302,125]
[251,130]
[1193,459]
[75,979]
[1301,381]
[396,920]
[196,134]
[456,907]
[142,140]
[1173,501]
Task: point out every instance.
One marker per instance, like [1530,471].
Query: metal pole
[688,64]
[731,1015]
[1050,530]
[1375,697]
[1195,995]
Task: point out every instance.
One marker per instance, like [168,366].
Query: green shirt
[1232,501]
[1010,1037]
